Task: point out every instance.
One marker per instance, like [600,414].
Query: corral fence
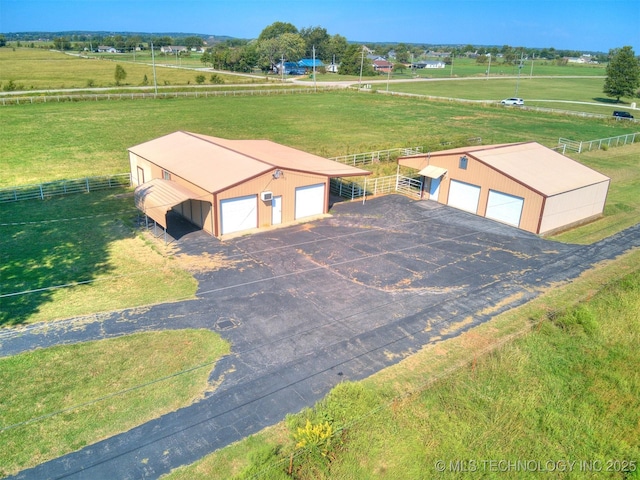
[369,158]
[94,97]
[376,186]
[63,187]
[565,144]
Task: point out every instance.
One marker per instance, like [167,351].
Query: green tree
[193,42]
[276,29]
[61,43]
[3,41]
[353,60]
[291,46]
[319,38]
[337,46]
[120,74]
[200,79]
[623,73]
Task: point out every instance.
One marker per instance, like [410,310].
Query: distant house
[333,67]
[106,49]
[288,68]
[173,49]
[429,64]
[308,64]
[382,66]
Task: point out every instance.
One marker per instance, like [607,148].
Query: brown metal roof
[531,164]
[215,163]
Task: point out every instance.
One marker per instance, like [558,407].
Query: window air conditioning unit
[266,196]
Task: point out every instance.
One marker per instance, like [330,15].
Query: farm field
[38,69]
[566,93]
[71,140]
[55,141]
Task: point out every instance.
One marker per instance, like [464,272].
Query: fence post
[41,193]
[87,183]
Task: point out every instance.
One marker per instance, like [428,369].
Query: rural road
[308,306]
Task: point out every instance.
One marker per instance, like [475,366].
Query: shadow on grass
[55,242]
[611,101]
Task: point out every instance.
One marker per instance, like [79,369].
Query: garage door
[309,201]
[504,208]
[464,196]
[239,214]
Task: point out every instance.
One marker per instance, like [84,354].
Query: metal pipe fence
[565,144]
[63,187]
[369,158]
[350,189]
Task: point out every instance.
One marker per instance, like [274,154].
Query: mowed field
[41,69]
[513,403]
[42,142]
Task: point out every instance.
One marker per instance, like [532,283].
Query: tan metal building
[228,186]
[526,185]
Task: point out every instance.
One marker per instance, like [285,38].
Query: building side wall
[488,179]
[574,207]
[284,186]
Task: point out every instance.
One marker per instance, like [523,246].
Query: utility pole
[519,70]
[153,61]
[361,66]
[315,89]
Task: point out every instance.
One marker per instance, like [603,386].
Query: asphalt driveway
[308,306]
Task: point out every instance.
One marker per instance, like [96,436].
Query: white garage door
[309,201]
[504,208]
[464,196]
[239,213]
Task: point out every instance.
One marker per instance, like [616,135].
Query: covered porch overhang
[431,171]
[156,197]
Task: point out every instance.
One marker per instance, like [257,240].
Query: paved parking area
[310,305]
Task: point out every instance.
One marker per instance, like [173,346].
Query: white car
[512,101]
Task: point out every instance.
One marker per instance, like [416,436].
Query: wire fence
[565,144]
[63,187]
[94,97]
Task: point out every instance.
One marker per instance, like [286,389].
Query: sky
[581,25]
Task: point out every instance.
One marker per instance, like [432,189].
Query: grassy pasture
[43,142]
[83,393]
[81,238]
[37,69]
[568,93]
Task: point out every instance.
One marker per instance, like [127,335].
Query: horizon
[576,25]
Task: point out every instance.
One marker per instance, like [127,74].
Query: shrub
[216,79]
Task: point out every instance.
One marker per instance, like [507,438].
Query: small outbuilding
[229,186]
[526,185]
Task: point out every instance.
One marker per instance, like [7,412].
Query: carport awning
[156,197]
[432,171]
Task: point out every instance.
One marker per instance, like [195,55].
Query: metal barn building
[526,185]
[229,186]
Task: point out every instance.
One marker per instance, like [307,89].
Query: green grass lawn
[562,93]
[555,380]
[87,243]
[44,142]
[60,399]
[622,209]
